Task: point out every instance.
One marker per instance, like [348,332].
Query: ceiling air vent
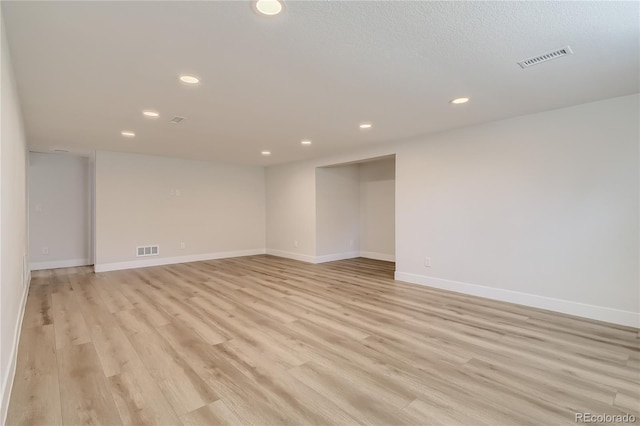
[176,119]
[546,57]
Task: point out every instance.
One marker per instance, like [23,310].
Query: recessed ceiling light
[269,7]
[266,153]
[152,114]
[306,142]
[460,101]
[189,79]
[365,125]
[127,133]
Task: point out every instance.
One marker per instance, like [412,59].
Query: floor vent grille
[142,251]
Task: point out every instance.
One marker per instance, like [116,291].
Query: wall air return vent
[176,119]
[142,251]
[546,57]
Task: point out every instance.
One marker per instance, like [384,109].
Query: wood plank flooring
[268,341]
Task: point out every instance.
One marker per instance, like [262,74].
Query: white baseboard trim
[378,256]
[290,255]
[336,256]
[600,313]
[70,263]
[10,372]
[131,264]
[331,257]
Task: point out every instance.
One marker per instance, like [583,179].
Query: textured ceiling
[85,70]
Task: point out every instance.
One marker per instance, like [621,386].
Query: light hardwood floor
[266,341]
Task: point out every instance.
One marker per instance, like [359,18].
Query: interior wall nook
[355,210]
[60,221]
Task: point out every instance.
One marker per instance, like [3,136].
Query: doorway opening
[355,210]
[60,210]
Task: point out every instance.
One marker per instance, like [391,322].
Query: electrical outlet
[45,250]
[183,245]
[427,262]
[351,243]
[295,243]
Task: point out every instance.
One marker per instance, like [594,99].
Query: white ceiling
[85,70]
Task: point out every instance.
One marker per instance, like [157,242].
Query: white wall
[217,210]
[291,203]
[544,204]
[13,224]
[291,211]
[377,209]
[337,212]
[541,209]
[59,211]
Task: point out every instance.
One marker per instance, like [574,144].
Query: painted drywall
[59,211]
[13,223]
[291,211]
[377,209]
[540,209]
[337,212]
[545,204]
[216,210]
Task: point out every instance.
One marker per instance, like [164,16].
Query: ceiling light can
[268,7]
[458,101]
[189,79]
